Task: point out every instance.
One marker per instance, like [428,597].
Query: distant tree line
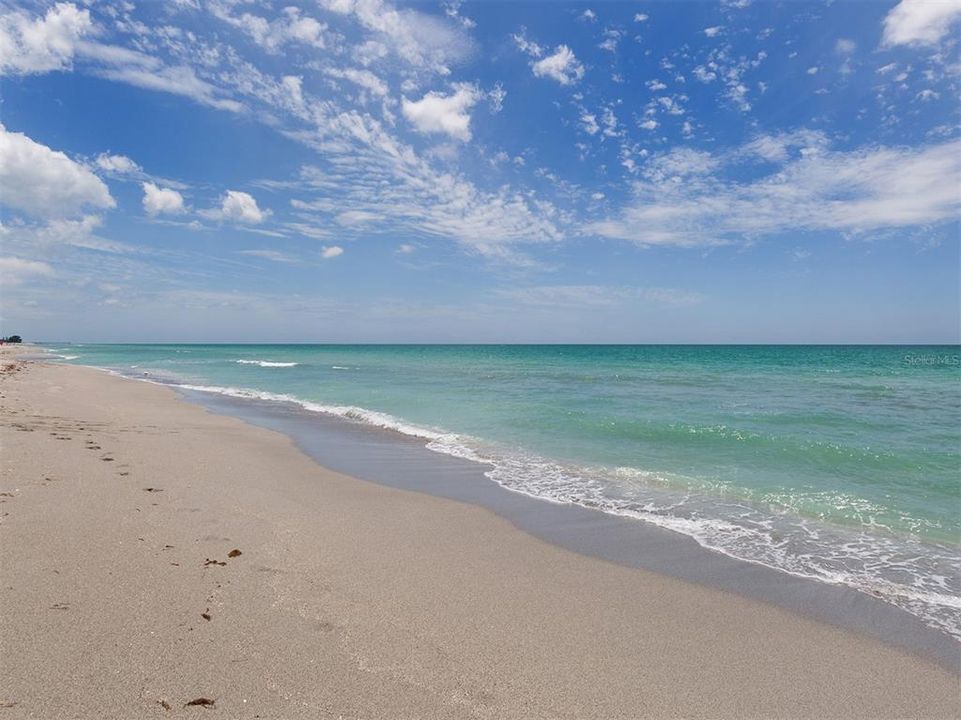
[12,339]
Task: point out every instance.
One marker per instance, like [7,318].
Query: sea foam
[267,363]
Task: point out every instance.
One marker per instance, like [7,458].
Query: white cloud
[424,41]
[496,97]
[813,70]
[178,80]
[290,27]
[920,22]
[272,255]
[369,170]
[42,44]
[239,207]
[671,106]
[50,43]
[688,201]
[364,78]
[611,38]
[574,296]
[45,182]
[680,165]
[737,94]
[562,66]
[589,123]
[845,46]
[611,126]
[779,148]
[447,114]
[452,10]
[329,253]
[405,249]
[589,15]
[14,271]
[54,233]
[722,64]
[294,85]
[597,296]
[704,74]
[355,218]
[649,124]
[527,46]
[712,31]
[365,168]
[641,17]
[242,207]
[120,164]
[77,233]
[158,200]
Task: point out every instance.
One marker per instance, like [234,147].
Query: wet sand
[122,503]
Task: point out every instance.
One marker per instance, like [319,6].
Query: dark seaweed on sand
[205,702]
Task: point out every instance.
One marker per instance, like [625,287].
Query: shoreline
[353,598]
[393,459]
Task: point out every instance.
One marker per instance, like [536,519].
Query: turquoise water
[838,463]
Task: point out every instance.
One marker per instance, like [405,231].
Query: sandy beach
[156,555]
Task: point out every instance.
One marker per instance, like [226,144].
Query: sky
[363,171]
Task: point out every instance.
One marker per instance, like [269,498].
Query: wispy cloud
[267,254]
[14,271]
[588,296]
[688,199]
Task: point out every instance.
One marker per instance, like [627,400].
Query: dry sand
[351,599]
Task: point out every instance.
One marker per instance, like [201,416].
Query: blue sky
[357,170]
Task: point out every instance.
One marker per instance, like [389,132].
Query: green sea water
[841,463]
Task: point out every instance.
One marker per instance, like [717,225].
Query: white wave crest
[266,363]
[349,412]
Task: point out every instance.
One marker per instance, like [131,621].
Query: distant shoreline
[261,343]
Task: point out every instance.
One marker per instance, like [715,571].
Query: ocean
[837,463]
